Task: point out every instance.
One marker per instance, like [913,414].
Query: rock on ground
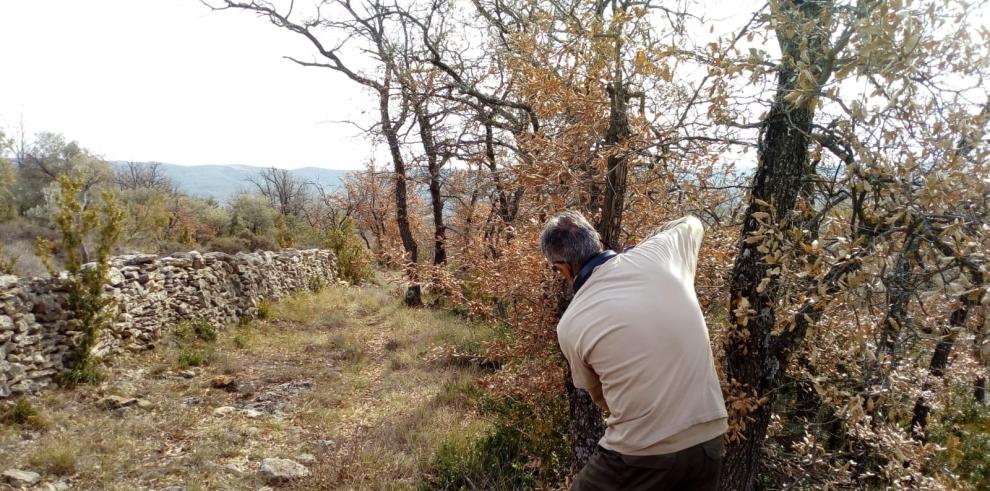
[282,469]
[17,477]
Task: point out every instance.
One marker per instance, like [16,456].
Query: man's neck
[589,267]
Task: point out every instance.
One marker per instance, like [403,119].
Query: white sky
[171,81]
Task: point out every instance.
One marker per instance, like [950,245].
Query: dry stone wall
[151,294]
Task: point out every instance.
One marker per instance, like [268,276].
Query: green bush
[264,310]
[204,331]
[90,309]
[962,431]
[189,358]
[86,372]
[524,450]
[354,264]
[316,284]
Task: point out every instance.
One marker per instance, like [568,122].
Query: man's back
[636,326]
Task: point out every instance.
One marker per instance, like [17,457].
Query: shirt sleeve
[679,241]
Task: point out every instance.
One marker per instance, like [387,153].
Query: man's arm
[691,223]
[590,382]
[583,376]
[685,236]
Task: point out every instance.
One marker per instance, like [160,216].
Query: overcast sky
[171,81]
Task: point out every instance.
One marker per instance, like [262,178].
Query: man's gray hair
[569,237]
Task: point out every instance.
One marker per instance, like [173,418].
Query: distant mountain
[223,181]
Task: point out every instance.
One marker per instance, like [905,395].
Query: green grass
[377,393]
[502,457]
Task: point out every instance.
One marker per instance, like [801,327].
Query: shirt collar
[589,267]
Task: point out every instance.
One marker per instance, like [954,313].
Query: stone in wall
[151,295]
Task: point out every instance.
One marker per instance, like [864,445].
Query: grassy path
[346,382]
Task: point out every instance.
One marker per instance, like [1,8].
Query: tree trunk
[433,166]
[610,225]
[937,365]
[413,292]
[754,358]
[898,285]
[586,422]
[587,425]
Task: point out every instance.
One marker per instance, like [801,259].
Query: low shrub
[524,450]
[962,432]
[57,460]
[205,331]
[86,371]
[229,245]
[354,264]
[24,414]
[189,359]
[316,284]
[8,264]
[264,310]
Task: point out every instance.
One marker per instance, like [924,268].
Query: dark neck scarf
[589,267]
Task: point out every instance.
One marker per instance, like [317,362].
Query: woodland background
[835,150]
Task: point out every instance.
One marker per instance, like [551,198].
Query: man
[636,340]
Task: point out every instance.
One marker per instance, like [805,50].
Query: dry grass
[375,414]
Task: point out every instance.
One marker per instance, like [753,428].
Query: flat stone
[224,410]
[7,281]
[192,400]
[282,469]
[117,402]
[55,486]
[225,382]
[17,477]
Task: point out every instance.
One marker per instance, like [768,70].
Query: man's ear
[571,272]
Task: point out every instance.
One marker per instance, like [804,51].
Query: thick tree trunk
[413,292]
[755,358]
[586,423]
[610,225]
[433,166]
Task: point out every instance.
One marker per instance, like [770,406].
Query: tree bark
[937,366]
[433,166]
[610,225]
[586,422]
[414,291]
[754,358]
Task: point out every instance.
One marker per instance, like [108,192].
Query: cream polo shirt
[636,340]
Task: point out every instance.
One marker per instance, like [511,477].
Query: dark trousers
[694,468]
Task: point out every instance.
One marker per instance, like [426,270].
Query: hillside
[223,181]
